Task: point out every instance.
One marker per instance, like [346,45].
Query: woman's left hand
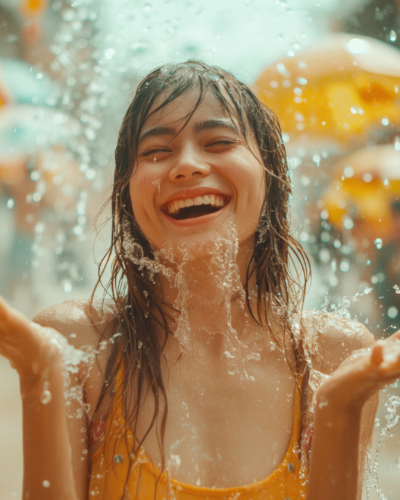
[362,375]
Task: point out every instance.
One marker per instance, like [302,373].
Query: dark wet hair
[279,284]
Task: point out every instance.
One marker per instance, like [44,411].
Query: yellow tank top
[110,465]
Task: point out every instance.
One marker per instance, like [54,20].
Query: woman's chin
[219,245]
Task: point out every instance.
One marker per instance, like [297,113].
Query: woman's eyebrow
[155,132]
[213,123]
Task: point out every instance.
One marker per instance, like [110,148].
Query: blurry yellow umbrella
[33,8]
[340,89]
[364,185]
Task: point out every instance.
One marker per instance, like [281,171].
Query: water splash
[342,307]
[135,254]
[371,467]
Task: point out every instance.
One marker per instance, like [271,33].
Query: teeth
[211,199]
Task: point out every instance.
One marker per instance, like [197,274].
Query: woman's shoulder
[330,338]
[82,322]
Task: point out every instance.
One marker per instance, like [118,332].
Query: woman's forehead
[184,105]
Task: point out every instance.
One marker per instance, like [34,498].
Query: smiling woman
[208,380]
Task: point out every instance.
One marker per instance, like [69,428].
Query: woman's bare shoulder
[331,338]
[82,322]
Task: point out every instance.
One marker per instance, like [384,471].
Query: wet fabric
[110,465]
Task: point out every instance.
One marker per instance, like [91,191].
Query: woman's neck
[208,291]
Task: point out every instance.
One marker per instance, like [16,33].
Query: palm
[365,372]
[21,341]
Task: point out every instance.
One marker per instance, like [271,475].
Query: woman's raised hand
[30,348]
[363,374]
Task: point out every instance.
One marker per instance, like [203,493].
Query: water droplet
[10,203]
[393,312]
[118,459]
[109,53]
[385,121]
[378,243]
[45,397]
[282,70]
[46,484]
[348,223]
[344,266]
[392,36]
[255,356]
[348,171]
[367,177]
[324,214]
[358,46]
[324,255]
[137,251]
[90,174]
[176,460]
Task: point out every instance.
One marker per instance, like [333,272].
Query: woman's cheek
[144,185]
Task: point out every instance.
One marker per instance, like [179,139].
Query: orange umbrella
[340,89]
[364,185]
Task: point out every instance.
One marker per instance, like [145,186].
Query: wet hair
[139,309]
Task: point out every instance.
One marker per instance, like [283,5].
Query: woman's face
[190,188]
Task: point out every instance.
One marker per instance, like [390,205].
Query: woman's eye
[226,141]
[153,151]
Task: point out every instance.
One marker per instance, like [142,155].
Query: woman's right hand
[30,348]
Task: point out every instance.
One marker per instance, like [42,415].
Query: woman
[205,359]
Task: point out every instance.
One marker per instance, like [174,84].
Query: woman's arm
[51,440]
[48,470]
[343,423]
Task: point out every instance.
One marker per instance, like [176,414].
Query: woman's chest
[224,427]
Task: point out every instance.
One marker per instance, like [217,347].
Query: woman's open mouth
[191,208]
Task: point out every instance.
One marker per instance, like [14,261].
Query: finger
[394,337]
[4,309]
[12,320]
[377,353]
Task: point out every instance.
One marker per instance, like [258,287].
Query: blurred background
[330,70]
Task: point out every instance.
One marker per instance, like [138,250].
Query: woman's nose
[188,165]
